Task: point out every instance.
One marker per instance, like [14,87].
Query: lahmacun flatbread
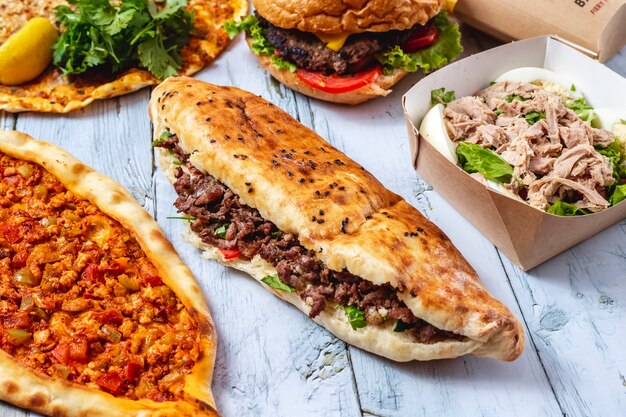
[98,314]
[52,92]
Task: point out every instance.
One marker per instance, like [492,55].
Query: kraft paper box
[596,25]
[526,235]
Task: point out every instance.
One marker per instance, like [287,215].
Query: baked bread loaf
[310,204]
[335,17]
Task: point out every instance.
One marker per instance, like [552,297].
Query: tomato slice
[153,280]
[133,370]
[230,253]
[421,38]
[339,84]
[111,317]
[62,352]
[92,274]
[79,349]
[111,382]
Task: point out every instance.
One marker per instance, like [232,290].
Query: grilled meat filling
[220,219]
[308,52]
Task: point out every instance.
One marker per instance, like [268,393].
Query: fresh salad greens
[447,47]
[534,117]
[356,317]
[273,281]
[122,34]
[258,40]
[474,158]
[582,109]
[441,96]
[618,194]
[561,208]
[221,231]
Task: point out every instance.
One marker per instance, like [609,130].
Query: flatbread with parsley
[53,92]
[98,314]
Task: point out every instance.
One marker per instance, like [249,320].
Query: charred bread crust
[334,17]
[22,387]
[289,173]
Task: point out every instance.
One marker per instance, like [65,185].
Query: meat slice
[550,189]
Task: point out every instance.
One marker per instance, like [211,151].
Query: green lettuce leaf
[619,194]
[447,48]
[442,96]
[617,157]
[356,317]
[582,109]
[258,40]
[561,208]
[273,281]
[474,158]
[534,117]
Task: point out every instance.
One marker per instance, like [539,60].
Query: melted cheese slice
[334,42]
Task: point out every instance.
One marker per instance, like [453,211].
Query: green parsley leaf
[162,138]
[445,49]
[498,112]
[582,109]
[273,281]
[442,96]
[561,208]
[572,88]
[275,234]
[491,83]
[177,162]
[221,231]
[401,326]
[356,317]
[188,218]
[619,194]
[121,34]
[534,117]
[474,158]
[622,121]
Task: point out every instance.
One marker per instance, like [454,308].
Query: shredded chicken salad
[537,141]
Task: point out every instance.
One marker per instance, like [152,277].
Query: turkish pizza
[98,314]
[93,58]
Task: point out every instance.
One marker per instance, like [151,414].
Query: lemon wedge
[27,53]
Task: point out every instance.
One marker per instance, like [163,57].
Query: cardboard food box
[528,236]
[599,26]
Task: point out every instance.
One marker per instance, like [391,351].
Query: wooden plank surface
[274,361]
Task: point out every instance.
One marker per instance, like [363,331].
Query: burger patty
[221,219]
[308,52]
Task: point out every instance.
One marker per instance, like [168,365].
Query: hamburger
[348,53]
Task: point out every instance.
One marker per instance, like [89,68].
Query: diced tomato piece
[11,233]
[111,382]
[153,280]
[421,38]
[18,320]
[114,268]
[133,371]
[92,274]
[111,317]
[79,349]
[62,352]
[230,253]
[339,84]
[19,260]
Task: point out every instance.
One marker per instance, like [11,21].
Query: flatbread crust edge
[22,387]
[254,148]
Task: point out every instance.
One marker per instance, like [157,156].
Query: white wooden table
[274,361]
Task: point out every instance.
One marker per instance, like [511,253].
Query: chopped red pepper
[62,352]
[133,371]
[11,233]
[111,317]
[79,349]
[92,274]
[111,382]
[19,260]
[153,280]
[230,253]
[114,268]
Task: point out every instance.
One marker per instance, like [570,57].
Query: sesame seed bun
[347,16]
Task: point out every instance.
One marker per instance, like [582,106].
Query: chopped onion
[18,336]
[40,191]
[130,283]
[25,170]
[111,334]
[48,221]
[24,277]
